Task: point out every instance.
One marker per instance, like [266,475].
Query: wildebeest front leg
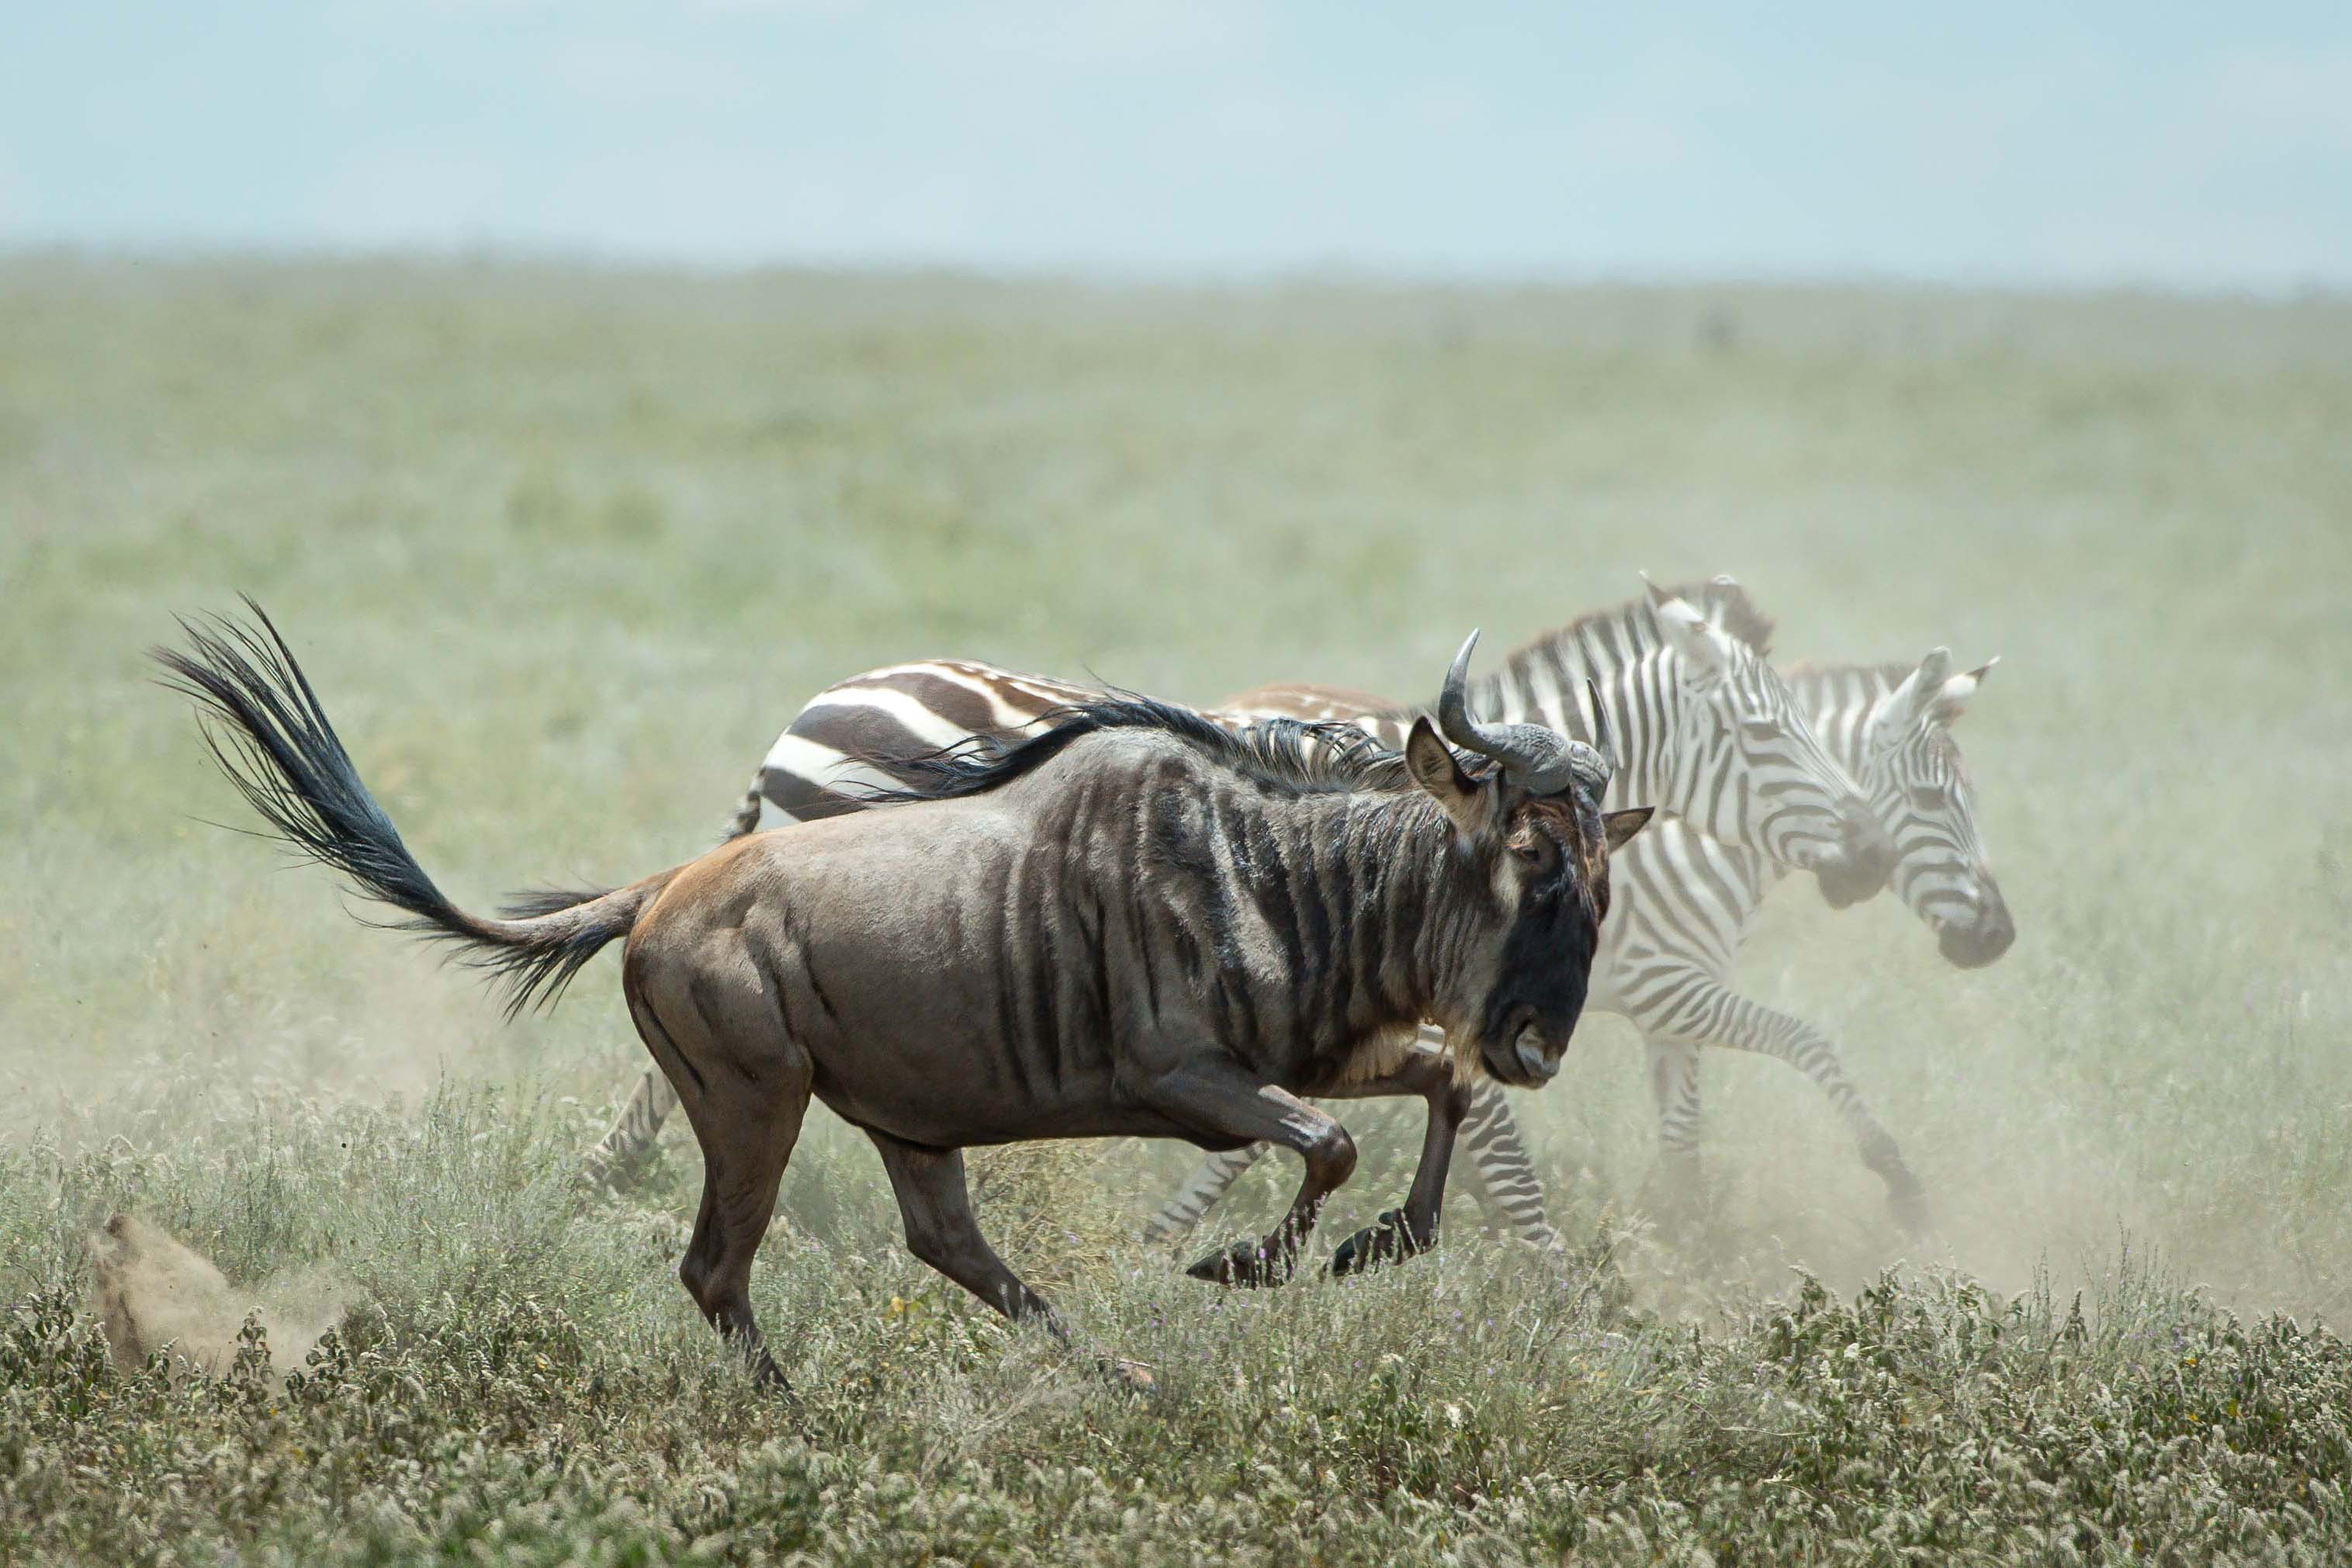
[1401,1234]
[1217,1097]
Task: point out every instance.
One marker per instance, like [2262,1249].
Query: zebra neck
[1544,682]
[1837,701]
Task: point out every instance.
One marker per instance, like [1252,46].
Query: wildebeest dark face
[1546,858]
[1554,874]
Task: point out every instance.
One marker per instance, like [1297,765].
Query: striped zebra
[1703,726]
[1682,904]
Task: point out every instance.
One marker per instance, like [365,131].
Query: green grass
[564,550]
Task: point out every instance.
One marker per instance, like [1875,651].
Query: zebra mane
[1859,683]
[1627,625]
[1860,687]
[1293,757]
[1727,605]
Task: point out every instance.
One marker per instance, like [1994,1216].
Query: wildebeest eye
[1530,852]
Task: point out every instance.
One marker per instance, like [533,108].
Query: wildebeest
[1134,923]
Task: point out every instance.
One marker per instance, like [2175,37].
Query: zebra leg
[624,1149]
[1742,1024]
[1210,1181]
[1673,1086]
[1501,1174]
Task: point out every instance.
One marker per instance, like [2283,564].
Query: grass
[564,550]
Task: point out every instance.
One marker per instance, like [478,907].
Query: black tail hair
[265,728]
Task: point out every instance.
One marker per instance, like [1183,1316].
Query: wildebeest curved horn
[1539,761]
[1601,742]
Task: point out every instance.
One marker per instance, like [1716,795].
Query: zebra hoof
[1386,1240]
[1245,1263]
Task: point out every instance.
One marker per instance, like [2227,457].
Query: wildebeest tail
[265,728]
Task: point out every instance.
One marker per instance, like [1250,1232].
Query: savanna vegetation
[563,548]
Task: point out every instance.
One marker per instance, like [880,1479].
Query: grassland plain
[563,547]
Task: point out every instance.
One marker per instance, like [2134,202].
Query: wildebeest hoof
[769,1379]
[1386,1240]
[1244,1263]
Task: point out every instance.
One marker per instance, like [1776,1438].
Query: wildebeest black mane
[1293,757]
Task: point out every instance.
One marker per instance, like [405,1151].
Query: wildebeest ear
[1431,763]
[1621,826]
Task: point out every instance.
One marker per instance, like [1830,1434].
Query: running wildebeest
[1133,923]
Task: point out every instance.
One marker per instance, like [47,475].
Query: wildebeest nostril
[1532,1059]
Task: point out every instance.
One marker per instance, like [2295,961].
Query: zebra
[1134,922]
[1684,905]
[1704,727]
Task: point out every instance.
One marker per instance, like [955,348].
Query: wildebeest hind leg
[1214,1095]
[936,1204]
[747,1122]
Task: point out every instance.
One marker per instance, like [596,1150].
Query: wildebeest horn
[1601,741]
[1539,761]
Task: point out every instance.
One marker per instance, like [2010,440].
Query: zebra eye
[1759,728]
[1927,797]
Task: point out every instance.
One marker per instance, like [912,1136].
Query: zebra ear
[1620,826]
[1707,650]
[1431,762]
[1951,698]
[1900,710]
[1720,593]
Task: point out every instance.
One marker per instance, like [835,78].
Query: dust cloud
[154,1293]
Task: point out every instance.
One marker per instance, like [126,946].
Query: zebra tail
[746,818]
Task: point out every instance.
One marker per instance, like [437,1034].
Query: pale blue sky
[2206,146]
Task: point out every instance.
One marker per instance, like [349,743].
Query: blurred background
[582,387]
[2097,144]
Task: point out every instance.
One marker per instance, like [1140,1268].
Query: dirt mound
[156,1293]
